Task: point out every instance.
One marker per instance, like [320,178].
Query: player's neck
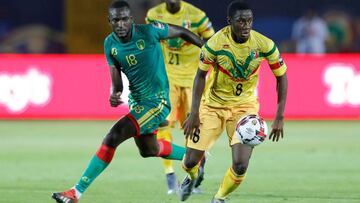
[238,39]
[128,37]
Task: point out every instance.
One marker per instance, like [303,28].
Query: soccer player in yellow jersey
[235,53]
[181,60]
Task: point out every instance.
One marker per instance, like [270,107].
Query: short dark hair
[119,4]
[235,6]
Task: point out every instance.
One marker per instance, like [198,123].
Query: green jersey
[141,60]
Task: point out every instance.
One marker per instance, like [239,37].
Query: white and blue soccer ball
[251,130]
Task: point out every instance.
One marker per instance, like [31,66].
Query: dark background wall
[274,18]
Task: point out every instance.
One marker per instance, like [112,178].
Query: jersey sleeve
[108,52]
[272,55]
[205,28]
[150,16]
[207,56]
[159,30]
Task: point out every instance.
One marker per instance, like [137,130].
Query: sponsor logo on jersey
[140,44]
[114,51]
[186,24]
[226,46]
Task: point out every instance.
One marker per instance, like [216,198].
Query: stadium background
[54,109]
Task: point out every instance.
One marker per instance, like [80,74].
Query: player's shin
[230,182]
[97,164]
[164,134]
[193,172]
[169,150]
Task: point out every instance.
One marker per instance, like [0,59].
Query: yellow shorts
[214,120]
[180,100]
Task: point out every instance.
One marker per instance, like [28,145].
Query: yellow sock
[193,172]
[164,133]
[230,182]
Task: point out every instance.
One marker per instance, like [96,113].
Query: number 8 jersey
[235,71]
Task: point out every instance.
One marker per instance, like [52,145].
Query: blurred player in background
[134,50]
[181,61]
[235,52]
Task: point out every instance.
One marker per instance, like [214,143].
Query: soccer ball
[251,130]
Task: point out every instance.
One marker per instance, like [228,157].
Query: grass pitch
[318,161]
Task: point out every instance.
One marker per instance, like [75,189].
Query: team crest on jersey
[140,44]
[138,108]
[114,51]
[254,54]
[158,25]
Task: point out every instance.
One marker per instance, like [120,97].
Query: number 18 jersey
[141,60]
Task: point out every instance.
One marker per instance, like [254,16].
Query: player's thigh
[185,103]
[237,113]
[149,114]
[147,143]
[174,94]
[211,127]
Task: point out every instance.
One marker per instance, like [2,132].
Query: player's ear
[228,20]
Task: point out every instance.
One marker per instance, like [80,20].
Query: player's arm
[177,31]
[116,86]
[277,126]
[193,121]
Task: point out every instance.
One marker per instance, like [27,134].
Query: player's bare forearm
[277,131]
[192,123]
[198,89]
[281,87]
[177,31]
[116,88]
[116,80]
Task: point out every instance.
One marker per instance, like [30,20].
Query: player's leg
[240,153]
[164,133]
[121,131]
[210,129]
[155,112]
[236,173]
[149,146]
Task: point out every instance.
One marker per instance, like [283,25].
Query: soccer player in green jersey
[135,50]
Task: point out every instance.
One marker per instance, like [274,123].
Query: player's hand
[277,130]
[191,125]
[115,99]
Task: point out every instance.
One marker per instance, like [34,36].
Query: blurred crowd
[332,32]
[328,31]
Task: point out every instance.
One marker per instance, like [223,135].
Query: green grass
[316,162]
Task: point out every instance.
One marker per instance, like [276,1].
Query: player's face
[241,24]
[120,21]
[173,5]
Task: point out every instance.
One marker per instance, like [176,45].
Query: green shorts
[147,115]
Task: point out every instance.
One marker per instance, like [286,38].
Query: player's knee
[148,153]
[190,163]
[240,168]
[164,123]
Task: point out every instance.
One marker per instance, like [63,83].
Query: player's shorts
[180,99]
[214,120]
[147,115]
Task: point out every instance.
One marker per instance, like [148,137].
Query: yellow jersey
[234,76]
[182,58]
